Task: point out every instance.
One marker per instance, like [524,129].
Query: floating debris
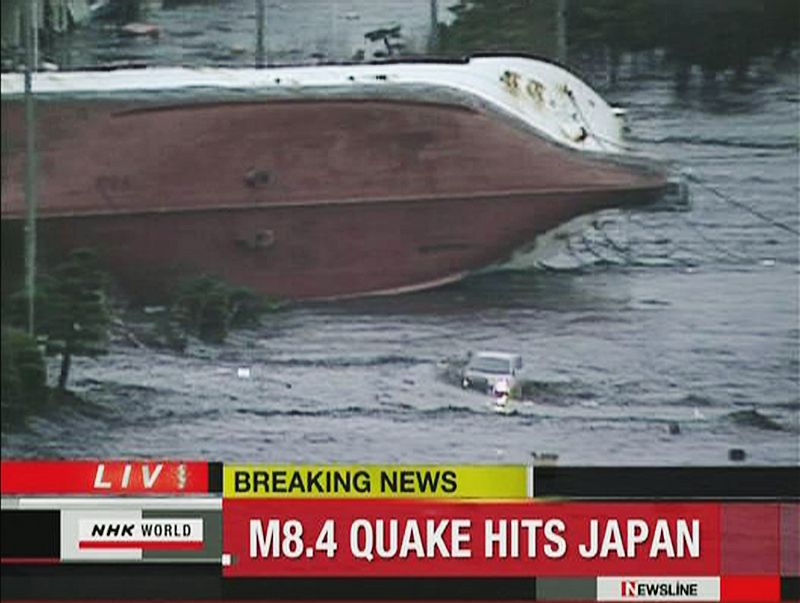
[736,454]
[753,418]
[544,458]
[141,29]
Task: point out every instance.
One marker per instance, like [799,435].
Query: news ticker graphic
[121,477]
[53,530]
[371,481]
[171,529]
[108,477]
[400,538]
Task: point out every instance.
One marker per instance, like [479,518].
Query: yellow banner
[375,481]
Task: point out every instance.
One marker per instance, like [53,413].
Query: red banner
[103,477]
[307,537]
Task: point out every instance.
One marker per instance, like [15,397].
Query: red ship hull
[300,198]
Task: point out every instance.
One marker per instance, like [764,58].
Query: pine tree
[24,378]
[208,307]
[72,310]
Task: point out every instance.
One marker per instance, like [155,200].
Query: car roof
[498,355]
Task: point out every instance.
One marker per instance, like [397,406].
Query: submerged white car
[485,369]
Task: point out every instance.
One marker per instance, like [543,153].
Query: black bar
[725,483]
[30,534]
[790,588]
[215,478]
[112,581]
[382,589]
[142,581]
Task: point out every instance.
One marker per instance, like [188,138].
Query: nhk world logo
[642,588]
[152,534]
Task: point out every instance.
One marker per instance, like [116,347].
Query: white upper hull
[544,96]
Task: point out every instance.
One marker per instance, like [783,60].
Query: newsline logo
[660,588]
[633,588]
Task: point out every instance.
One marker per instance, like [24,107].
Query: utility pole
[31,52]
[434,39]
[260,17]
[561,31]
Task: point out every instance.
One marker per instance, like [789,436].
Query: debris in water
[141,29]
[243,373]
[674,429]
[736,454]
[753,418]
[544,458]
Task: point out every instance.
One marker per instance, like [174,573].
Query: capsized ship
[316,181]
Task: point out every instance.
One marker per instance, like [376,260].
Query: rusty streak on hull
[301,198]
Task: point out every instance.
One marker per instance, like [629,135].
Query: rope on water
[743,206]
[689,176]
